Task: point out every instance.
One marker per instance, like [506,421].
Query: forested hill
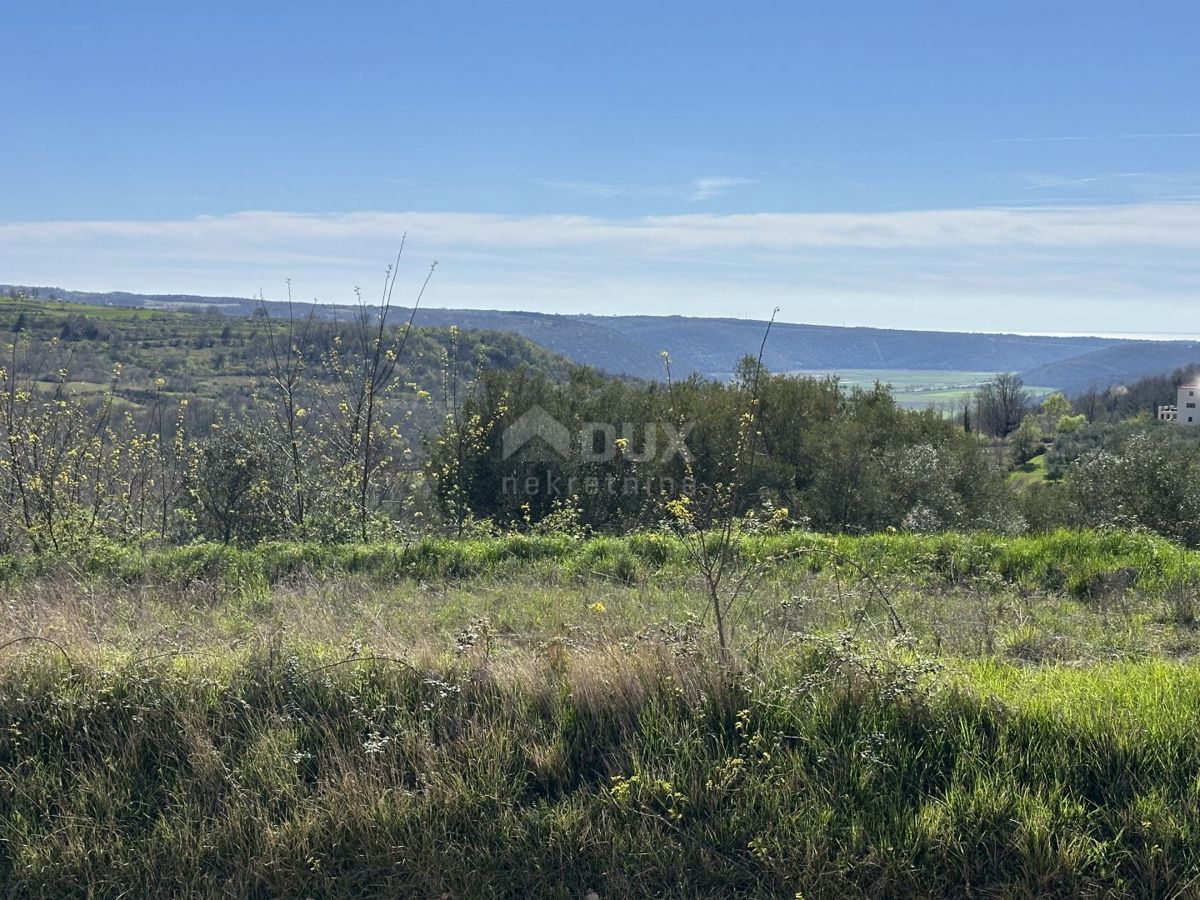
[1120,364]
[632,345]
[215,361]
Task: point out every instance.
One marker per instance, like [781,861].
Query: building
[1185,411]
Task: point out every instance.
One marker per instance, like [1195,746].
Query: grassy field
[541,716]
[1030,473]
[919,388]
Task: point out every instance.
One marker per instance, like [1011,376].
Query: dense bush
[842,461]
[1149,481]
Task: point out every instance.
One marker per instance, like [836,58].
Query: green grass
[540,716]
[66,308]
[1030,473]
[1072,561]
[266,775]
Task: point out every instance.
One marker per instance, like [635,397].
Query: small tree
[707,521]
[366,372]
[1071,424]
[1090,404]
[238,485]
[1054,408]
[60,466]
[454,455]
[288,352]
[1025,440]
[1001,404]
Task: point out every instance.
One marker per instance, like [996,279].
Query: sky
[1018,166]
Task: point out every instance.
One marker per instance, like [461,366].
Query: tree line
[336,440]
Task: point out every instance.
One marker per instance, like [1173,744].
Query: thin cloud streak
[707,188]
[1069,138]
[702,188]
[1149,224]
[1144,187]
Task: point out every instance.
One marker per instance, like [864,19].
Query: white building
[1185,411]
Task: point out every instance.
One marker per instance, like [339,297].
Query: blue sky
[1016,166]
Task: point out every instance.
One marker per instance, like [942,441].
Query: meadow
[540,715]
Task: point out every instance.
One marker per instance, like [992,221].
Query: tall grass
[538,716]
[1073,561]
[275,774]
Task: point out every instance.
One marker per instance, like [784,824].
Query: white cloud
[1026,268]
[715,186]
[246,234]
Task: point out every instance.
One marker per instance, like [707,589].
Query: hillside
[632,345]
[1122,364]
[215,360]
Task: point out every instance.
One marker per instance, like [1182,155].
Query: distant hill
[632,345]
[1122,364]
[215,360]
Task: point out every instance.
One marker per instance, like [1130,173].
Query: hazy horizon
[166,295]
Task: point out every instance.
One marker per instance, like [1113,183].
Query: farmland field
[919,388]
